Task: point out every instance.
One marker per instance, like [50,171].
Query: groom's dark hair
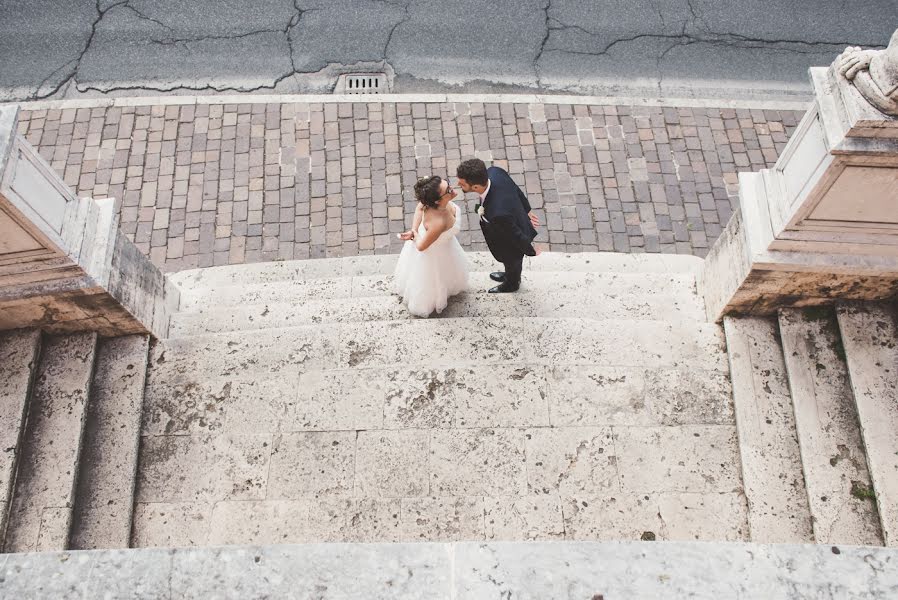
[473,171]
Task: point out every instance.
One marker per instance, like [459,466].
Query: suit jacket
[507,228]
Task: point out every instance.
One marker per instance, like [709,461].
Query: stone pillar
[64,264]
[822,224]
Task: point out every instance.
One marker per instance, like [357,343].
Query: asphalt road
[667,48]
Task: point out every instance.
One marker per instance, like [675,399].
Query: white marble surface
[537,570]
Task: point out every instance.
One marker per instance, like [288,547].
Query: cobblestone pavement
[210,184]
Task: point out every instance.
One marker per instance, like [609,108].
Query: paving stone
[688,458]
[259,522]
[312,464]
[617,516]
[494,396]
[203,468]
[218,405]
[710,517]
[337,400]
[523,518]
[570,461]
[267,166]
[477,462]
[171,524]
[679,397]
[442,519]
[585,395]
[392,464]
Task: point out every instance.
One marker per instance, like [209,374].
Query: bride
[432,265]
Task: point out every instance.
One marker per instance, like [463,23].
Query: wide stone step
[527,428]
[656,289]
[108,471]
[599,483]
[383,264]
[870,336]
[430,342]
[840,493]
[778,509]
[472,571]
[41,511]
[588,296]
[509,395]
[19,354]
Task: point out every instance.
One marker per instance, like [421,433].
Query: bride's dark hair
[427,190]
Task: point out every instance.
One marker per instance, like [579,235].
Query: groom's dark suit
[506,225]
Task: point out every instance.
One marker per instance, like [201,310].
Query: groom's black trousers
[513,271]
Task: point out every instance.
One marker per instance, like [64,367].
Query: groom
[506,220]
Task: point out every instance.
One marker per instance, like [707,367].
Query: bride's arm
[419,214]
[410,234]
[430,236]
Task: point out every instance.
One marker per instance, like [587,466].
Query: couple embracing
[432,266]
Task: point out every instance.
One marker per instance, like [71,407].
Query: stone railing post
[822,224]
[64,264]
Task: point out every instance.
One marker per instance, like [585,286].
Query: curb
[799,105]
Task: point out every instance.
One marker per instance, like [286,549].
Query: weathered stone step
[374,485]
[41,511]
[518,395]
[19,355]
[778,509]
[638,288]
[383,264]
[870,336]
[585,300]
[835,468]
[430,342]
[108,471]
[470,571]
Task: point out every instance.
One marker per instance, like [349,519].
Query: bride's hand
[407,235]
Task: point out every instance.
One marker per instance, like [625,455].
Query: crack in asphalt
[407,8]
[77,61]
[142,16]
[542,45]
[694,30]
[703,34]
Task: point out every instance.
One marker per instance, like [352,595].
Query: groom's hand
[534,220]
[538,250]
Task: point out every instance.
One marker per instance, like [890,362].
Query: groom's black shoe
[504,288]
[498,276]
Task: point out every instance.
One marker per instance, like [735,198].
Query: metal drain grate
[363,83]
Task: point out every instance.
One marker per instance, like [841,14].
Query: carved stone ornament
[874,73]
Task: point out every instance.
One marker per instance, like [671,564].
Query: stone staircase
[70,408]
[298,402]
[816,396]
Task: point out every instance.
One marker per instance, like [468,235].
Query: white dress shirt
[485,192]
[483,199]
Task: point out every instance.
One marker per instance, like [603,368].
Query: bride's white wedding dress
[425,280]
